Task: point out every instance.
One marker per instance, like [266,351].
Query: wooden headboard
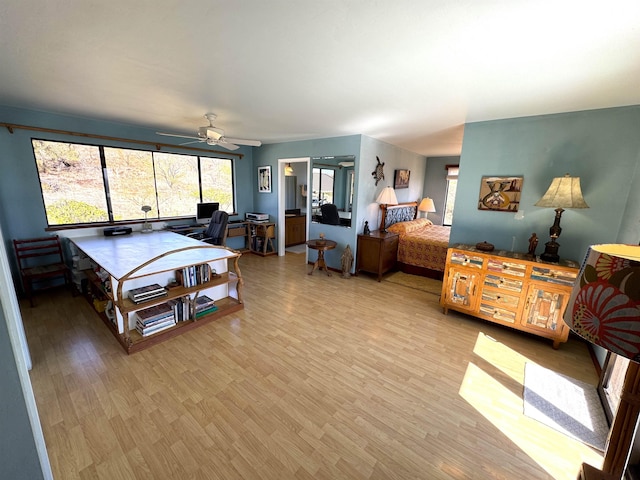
[403,212]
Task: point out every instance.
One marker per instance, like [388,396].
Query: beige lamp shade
[387,197]
[564,192]
[426,205]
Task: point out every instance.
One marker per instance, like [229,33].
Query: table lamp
[387,197]
[146,226]
[426,205]
[564,192]
[604,308]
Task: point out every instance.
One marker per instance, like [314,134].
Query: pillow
[410,226]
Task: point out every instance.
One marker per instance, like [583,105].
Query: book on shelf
[149,297]
[206,311]
[194,275]
[203,301]
[147,292]
[150,323]
[180,308]
[144,331]
[155,312]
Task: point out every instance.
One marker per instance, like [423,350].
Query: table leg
[320,264]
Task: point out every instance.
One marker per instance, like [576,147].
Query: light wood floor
[318,377]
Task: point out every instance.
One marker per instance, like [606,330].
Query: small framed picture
[401,179]
[264,179]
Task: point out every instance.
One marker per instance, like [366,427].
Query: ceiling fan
[212,135]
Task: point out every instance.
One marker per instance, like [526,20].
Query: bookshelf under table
[141,259]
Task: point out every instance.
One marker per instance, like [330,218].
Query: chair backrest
[38,251]
[330,214]
[217,229]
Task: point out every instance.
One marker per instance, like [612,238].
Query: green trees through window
[94,184]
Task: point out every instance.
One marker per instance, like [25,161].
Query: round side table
[321,246]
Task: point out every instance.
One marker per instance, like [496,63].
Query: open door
[293,200]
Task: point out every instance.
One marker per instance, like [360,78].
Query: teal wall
[602,147]
[394,158]
[268,202]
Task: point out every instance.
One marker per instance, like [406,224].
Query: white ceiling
[407,72]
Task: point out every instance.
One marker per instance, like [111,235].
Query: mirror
[333,183]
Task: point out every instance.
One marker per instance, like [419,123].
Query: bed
[422,246]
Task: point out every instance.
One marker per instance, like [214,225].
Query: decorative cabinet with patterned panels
[509,288]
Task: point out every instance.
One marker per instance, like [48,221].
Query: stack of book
[155,319]
[204,306]
[148,292]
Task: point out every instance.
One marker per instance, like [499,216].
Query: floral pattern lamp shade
[604,307]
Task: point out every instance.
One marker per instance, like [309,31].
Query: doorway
[302,201]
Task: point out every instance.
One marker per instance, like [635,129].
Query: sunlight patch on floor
[500,401]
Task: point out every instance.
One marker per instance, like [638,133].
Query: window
[323,181]
[94,184]
[450,198]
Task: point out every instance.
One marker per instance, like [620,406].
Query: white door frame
[282,162]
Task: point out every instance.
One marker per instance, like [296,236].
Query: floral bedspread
[425,247]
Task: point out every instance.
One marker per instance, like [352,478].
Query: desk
[261,238]
[321,246]
[138,260]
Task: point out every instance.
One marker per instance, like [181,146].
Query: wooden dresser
[509,288]
[377,252]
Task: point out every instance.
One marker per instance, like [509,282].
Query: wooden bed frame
[404,212]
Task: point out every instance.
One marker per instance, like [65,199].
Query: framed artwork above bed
[401,179]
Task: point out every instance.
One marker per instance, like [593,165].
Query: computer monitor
[205,210]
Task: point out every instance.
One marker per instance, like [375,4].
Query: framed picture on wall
[401,179]
[501,194]
[264,179]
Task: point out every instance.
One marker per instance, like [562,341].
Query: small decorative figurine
[533,243]
[347,262]
[366,230]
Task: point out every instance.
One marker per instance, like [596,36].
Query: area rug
[429,285]
[565,404]
[296,249]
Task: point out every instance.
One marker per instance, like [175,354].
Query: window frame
[105,184]
[449,177]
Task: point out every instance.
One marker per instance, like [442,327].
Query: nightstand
[377,252]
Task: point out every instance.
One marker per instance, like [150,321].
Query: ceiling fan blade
[177,135]
[240,141]
[194,141]
[227,145]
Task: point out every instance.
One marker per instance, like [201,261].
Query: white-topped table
[155,258]
[120,254]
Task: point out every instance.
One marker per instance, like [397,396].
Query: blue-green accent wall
[602,147]
[268,202]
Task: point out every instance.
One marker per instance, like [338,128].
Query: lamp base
[550,253]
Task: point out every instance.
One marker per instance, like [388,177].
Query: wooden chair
[40,261]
